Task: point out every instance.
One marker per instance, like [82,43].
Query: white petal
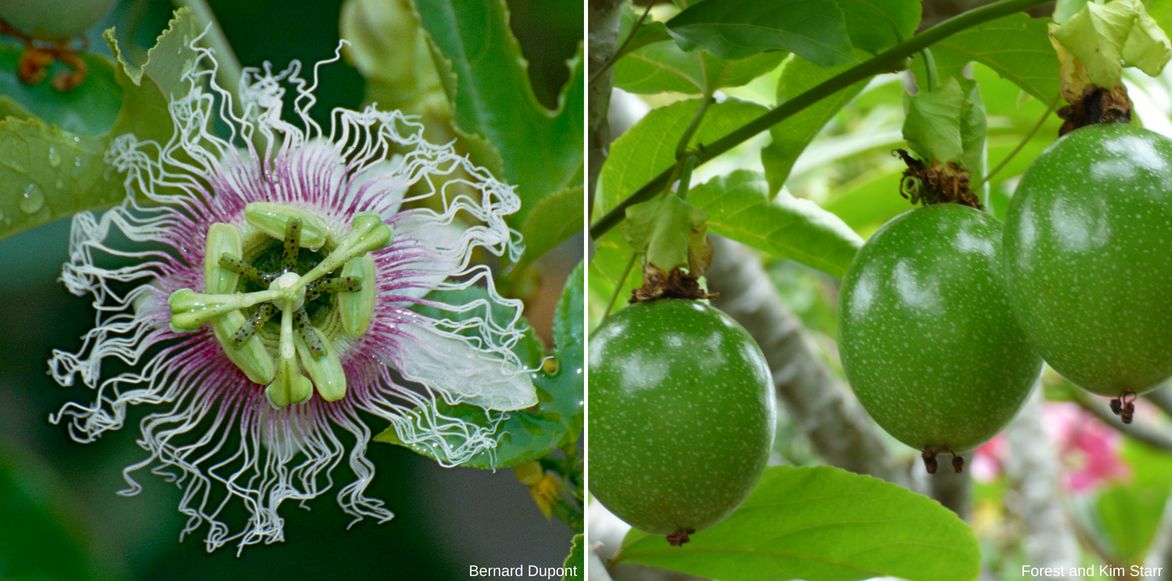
[462,373]
[383,183]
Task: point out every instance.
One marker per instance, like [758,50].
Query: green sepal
[222,239]
[1104,38]
[273,219]
[252,358]
[325,371]
[665,230]
[357,308]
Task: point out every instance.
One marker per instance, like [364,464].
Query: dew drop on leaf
[32,200]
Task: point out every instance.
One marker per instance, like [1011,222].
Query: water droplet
[32,200]
[77,162]
[54,157]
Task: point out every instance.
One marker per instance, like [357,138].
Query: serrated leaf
[659,65]
[663,230]
[739,208]
[575,561]
[481,65]
[648,148]
[148,88]
[821,524]
[733,29]
[790,137]
[47,172]
[88,109]
[557,419]
[1017,47]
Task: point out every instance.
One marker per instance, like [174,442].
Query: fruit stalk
[820,404]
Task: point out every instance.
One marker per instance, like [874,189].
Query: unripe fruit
[926,335]
[1088,257]
[681,415]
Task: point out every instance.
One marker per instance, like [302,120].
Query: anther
[308,333]
[337,284]
[255,321]
[957,463]
[248,271]
[292,240]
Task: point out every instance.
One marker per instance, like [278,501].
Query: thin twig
[626,41]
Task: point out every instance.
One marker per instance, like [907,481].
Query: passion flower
[258,293]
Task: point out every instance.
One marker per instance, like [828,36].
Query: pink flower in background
[1088,449]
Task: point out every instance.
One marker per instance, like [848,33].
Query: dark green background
[59,515]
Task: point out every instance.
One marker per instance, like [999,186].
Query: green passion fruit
[1088,258]
[927,338]
[681,416]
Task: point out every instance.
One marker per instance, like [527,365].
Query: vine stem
[228,70]
[1020,146]
[892,59]
[626,41]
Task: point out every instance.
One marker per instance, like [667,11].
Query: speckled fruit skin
[1088,247]
[681,415]
[926,335]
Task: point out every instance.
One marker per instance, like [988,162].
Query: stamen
[308,333]
[337,284]
[248,271]
[368,233]
[254,322]
[292,240]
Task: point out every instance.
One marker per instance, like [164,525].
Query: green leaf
[1017,47]
[877,25]
[790,137]
[948,125]
[556,218]
[663,229]
[575,561]
[148,88]
[557,418]
[612,254]
[1108,37]
[649,147]
[486,80]
[47,173]
[739,207]
[821,524]
[89,109]
[733,29]
[660,65]
[1129,512]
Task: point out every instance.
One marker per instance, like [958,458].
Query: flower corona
[263,292]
